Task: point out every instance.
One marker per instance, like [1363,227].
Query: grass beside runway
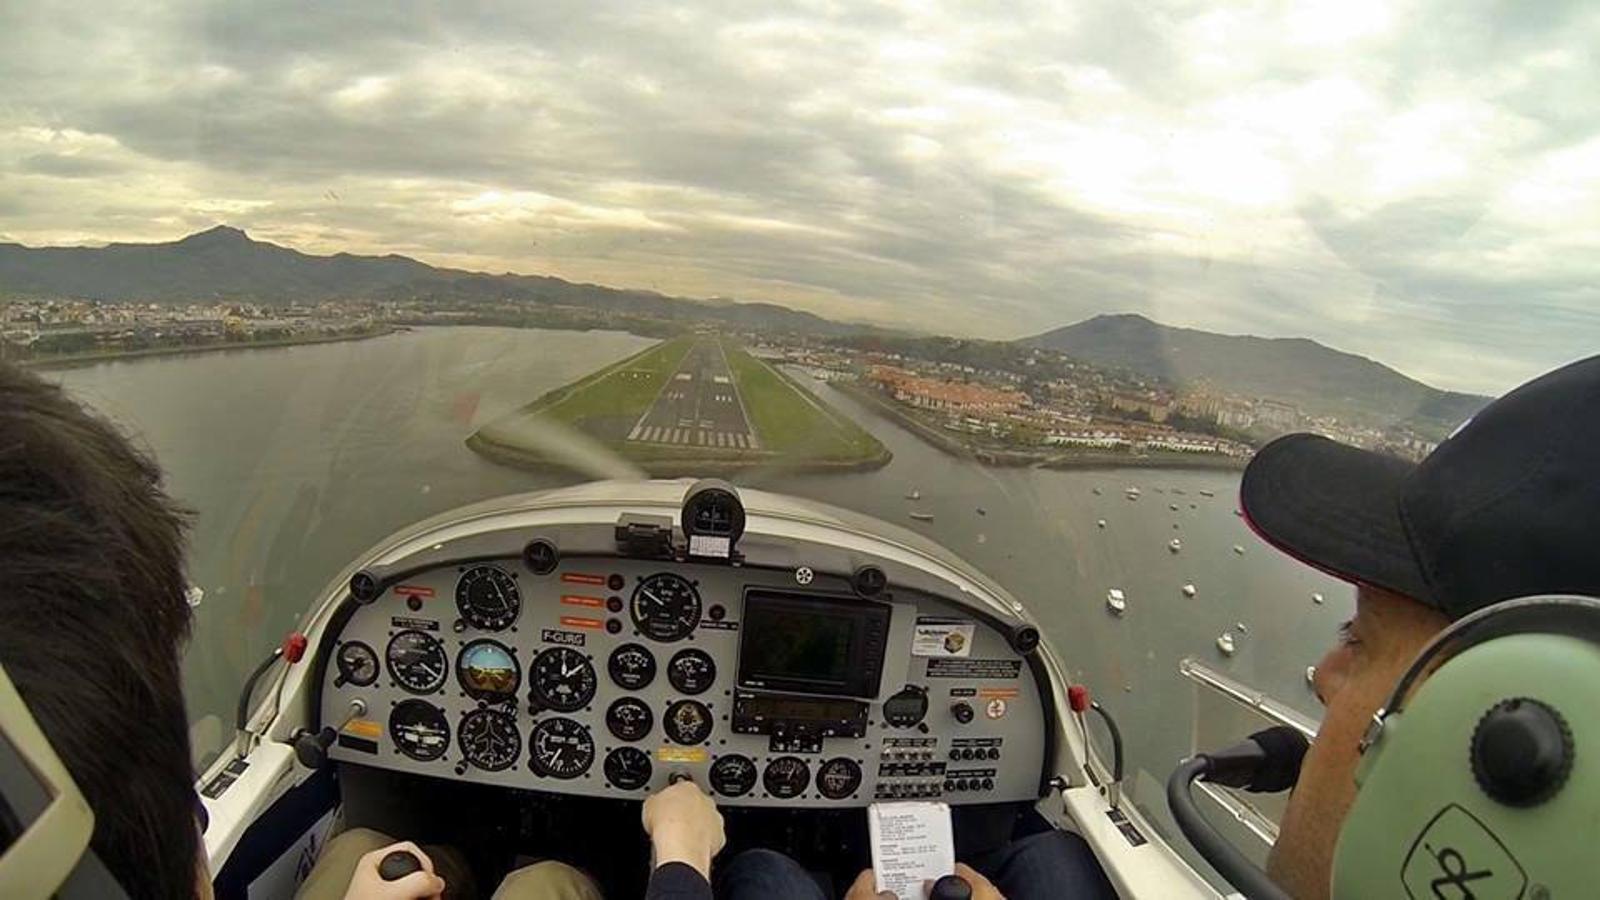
[790,420]
[796,430]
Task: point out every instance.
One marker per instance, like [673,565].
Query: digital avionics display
[812,645]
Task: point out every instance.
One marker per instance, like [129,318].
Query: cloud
[1411,181]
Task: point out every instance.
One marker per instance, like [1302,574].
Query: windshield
[1033,280]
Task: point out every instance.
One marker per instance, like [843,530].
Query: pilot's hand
[367,884]
[684,826]
[865,888]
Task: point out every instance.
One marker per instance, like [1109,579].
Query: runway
[699,406]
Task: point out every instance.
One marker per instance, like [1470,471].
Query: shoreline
[956,447]
[75,360]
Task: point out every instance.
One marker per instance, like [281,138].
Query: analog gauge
[488,671]
[563,679]
[838,778]
[666,607]
[629,718]
[733,775]
[691,671]
[786,776]
[358,665]
[419,729]
[489,739]
[561,748]
[628,768]
[417,661]
[632,666]
[487,598]
[687,722]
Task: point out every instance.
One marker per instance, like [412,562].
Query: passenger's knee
[547,880]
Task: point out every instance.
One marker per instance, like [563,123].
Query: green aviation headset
[1484,783]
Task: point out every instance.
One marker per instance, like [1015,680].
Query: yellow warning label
[681,754]
[364,728]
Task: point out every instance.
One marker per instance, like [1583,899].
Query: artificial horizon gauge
[562,679]
[665,607]
[417,661]
[561,748]
[487,598]
[488,671]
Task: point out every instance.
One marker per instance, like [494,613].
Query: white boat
[1239,549]
[1172,506]
[1096,491]
[1174,545]
[914,495]
[1225,643]
[1241,628]
[1206,493]
[922,516]
[1311,675]
[1189,590]
[1115,601]
[1099,523]
[1316,598]
[1131,492]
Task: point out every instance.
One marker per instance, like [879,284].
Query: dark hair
[93,617]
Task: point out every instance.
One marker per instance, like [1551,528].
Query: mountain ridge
[1312,376]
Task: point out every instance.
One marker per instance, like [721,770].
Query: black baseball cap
[1508,506]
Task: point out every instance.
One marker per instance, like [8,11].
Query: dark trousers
[1053,864]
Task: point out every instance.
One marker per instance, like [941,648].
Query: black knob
[961,710]
[311,749]
[951,887]
[1521,752]
[397,865]
[988,784]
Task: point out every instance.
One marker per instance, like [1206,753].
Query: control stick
[951,887]
[398,864]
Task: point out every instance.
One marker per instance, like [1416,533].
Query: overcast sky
[1416,182]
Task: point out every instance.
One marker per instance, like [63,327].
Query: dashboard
[606,676]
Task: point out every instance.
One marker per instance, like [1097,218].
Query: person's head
[92,620]
[1502,509]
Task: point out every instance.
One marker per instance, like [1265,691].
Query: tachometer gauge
[489,739]
[632,666]
[358,665]
[786,776]
[629,718]
[691,671]
[561,748]
[838,778]
[417,661]
[666,607]
[419,730]
[487,598]
[733,775]
[628,768]
[562,679]
[488,671]
[687,722]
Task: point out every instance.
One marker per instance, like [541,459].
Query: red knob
[1078,697]
[294,647]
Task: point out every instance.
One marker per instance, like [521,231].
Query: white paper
[942,638]
[911,844]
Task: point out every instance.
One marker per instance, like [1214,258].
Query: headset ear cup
[1481,786]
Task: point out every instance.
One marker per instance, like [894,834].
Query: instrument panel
[607,675]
